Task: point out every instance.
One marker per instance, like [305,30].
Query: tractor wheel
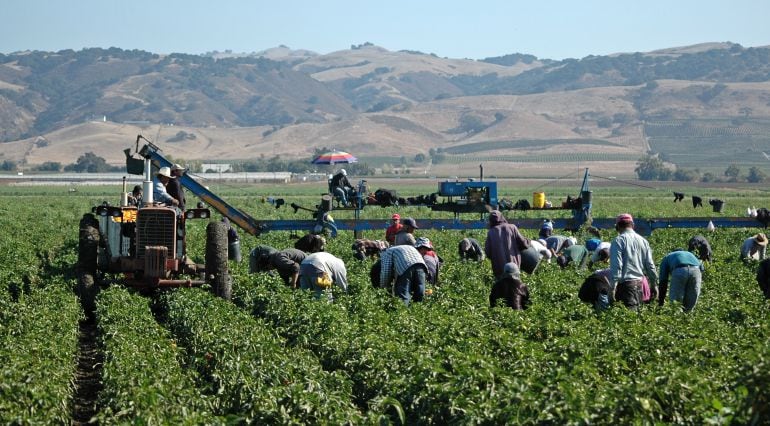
[216,260]
[87,290]
[88,244]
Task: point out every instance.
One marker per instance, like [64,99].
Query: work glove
[662,294]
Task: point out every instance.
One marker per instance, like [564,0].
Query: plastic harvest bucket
[538,200]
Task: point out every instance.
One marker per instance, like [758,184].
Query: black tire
[216,260]
[87,290]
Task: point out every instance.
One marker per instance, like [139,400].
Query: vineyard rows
[543,158]
[277,356]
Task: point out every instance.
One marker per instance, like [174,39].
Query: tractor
[147,245]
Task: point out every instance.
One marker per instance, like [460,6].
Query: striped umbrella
[334,157]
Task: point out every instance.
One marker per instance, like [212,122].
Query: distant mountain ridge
[372,101]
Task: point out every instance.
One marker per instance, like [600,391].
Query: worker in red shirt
[395,226]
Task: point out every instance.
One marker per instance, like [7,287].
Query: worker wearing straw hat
[159,183]
[754,248]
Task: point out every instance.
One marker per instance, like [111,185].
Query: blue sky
[448,28]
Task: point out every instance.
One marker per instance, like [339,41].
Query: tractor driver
[342,187]
[159,192]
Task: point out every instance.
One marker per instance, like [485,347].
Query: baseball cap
[177,167]
[512,269]
[396,216]
[408,221]
[624,218]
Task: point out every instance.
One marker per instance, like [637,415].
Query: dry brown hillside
[516,114]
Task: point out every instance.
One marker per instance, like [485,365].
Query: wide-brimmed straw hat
[165,171]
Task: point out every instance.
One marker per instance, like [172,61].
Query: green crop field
[274,355]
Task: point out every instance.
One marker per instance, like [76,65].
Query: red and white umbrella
[334,157]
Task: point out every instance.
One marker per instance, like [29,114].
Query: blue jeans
[342,195]
[602,302]
[685,286]
[411,282]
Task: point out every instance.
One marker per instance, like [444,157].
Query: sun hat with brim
[423,242]
[624,218]
[165,171]
[760,239]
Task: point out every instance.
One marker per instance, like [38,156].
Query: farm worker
[159,184]
[405,236]
[754,248]
[287,262]
[470,249]
[701,245]
[363,248]
[432,260]
[546,229]
[630,260]
[135,197]
[601,254]
[685,270]
[406,265]
[392,230]
[504,243]
[174,187]
[510,288]
[540,247]
[319,271]
[557,243]
[596,290]
[575,253]
[763,277]
[341,186]
[311,243]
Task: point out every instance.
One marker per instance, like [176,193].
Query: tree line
[652,167]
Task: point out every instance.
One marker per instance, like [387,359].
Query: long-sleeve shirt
[701,244]
[750,247]
[631,259]
[513,291]
[469,248]
[391,231]
[159,193]
[404,238]
[503,245]
[604,245]
[433,265]
[676,259]
[318,263]
[396,260]
[175,190]
[556,242]
[577,253]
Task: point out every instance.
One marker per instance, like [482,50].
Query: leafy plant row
[142,379]
[251,373]
[453,359]
[38,348]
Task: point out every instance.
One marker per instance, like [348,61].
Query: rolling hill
[534,116]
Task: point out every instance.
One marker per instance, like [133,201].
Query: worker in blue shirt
[686,271]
